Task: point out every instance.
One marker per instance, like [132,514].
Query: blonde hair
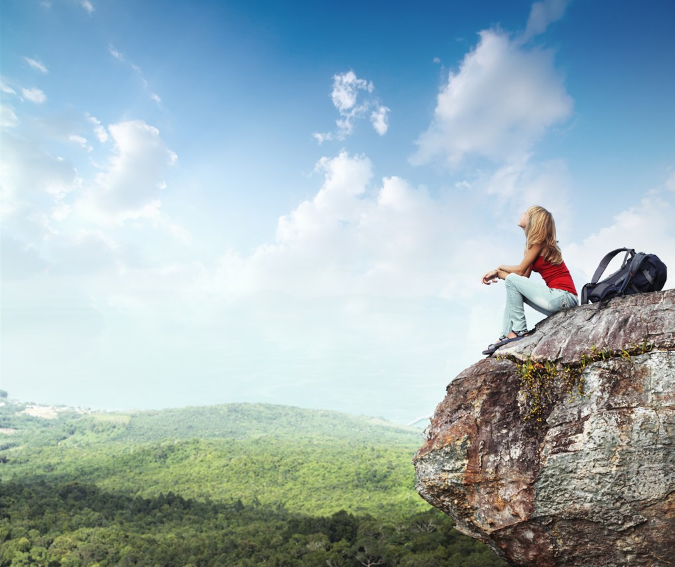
[540,229]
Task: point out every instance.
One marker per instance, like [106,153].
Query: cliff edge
[559,450]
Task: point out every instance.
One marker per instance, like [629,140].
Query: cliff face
[549,478]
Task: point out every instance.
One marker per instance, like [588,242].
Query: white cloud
[131,184]
[6,88]
[541,15]
[39,66]
[87,5]
[346,87]
[99,130]
[8,118]
[156,98]
[498,105]
[116,54]
[346,125]
[321,138]
[346,94]
[394,241]
[80,141]
[34,95]
[380,120]
[40,190]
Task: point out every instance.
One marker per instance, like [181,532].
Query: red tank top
[555,276]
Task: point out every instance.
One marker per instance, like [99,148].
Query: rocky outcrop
[547,476]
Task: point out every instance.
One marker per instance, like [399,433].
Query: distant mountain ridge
[226,421]
[242,421]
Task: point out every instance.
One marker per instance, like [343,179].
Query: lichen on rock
[591,481]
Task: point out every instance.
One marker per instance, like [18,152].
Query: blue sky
[294,202]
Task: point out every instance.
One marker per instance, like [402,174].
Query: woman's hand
[491,277]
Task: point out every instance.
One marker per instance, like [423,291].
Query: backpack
[639,273]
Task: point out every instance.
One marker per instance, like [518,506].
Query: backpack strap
[648,276]
[588,288]
[608,258]
[634,267]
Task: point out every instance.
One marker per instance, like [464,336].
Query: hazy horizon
[293,203]
[417,424]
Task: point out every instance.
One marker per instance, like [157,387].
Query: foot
[511,335]
[494,346]
[504,339]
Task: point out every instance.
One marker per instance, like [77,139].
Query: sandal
[494,346]
[505,340]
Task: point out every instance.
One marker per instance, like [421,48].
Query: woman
[543,256]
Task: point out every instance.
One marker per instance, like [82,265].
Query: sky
[294,202]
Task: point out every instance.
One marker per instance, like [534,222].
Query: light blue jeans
[520,290]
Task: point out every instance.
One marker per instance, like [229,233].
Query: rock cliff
[560,449]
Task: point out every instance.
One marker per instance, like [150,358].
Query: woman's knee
[510,280]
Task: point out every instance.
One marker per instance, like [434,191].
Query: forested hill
[305,460]
[230,421]
[247,485]
[241,421]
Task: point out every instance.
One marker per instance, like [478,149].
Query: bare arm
[525,266]
[522,269]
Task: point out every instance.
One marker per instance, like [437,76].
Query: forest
[232,485]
